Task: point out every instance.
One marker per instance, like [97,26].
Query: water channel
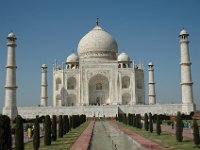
[106,137]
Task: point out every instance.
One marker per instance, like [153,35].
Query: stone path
[138,138]
[82,143]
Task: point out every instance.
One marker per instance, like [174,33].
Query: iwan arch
[99,81]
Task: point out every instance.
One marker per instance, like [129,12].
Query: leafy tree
[196,133]
[158,127]
[36,134]
[179,128]
[150,123]
[60,126]
[5,133]
[47,128]
[146,122]
[54,128]
[19,133]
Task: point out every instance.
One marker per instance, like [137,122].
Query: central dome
[97,44]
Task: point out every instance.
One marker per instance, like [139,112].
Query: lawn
[61,143]
[166,140]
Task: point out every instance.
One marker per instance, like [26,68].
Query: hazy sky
[147,29]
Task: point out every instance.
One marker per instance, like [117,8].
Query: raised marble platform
[108,110]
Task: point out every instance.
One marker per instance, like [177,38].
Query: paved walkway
[139,139]
[82,143]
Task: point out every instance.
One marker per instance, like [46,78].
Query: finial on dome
[97,21]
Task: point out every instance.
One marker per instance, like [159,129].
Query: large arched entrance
[98,90]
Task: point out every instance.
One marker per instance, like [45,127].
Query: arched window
[58,100]
[125,82]
[71,83]
[126,99]
[58,83]
[98,86]
[139,84]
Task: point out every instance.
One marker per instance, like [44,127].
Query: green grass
[166,140]
[61,143]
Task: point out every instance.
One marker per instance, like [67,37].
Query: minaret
[186,79]
[43,101]
[152,95]
[10,107]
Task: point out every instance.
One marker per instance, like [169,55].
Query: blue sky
[147,30]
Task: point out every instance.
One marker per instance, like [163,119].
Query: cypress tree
[54,128]
[67,124]
[179,128]
[47,128]
[5,133]
[158,122]
[36,134]
[19,133]
[196,133]
[146,122]
[60,126]
[150,123]
[134,120]
[64,125]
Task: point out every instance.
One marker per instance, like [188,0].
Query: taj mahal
[99,81]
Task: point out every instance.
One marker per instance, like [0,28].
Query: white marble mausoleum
[99,81]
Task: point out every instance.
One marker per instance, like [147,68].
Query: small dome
[11,35]
[97,43]
[72,58]
[44,66]
[183,32]
[123,57]
[150,64]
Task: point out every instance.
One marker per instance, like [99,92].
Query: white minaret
[43,101]
[10,107]
[152,95]
[186,79]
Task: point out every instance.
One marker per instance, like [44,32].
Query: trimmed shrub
[64,125]
[179,128]
[5,133]
[196,133]
[60,127]
[19,133]
[67,124]
[47,128]
[146,122]
[158,127]
[36,134]
[134,120]
[150,123]
[54,128]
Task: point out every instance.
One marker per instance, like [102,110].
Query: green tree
[60,126]
[146,122]
[5,133]
[196,133]
[67,124]
[47,128]
[150,123]
[179,128]
[36,134]
[64,124]
[54,128]
[19,133]
[134,120]
[158,127]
